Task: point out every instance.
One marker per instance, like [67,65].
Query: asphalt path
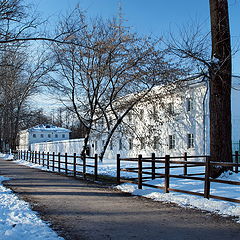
[79,209]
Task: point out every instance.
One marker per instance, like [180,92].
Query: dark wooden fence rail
[63,163]
[167,163]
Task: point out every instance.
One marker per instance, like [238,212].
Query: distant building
[41,133]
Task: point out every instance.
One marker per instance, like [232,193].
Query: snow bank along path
[18,221]
[83,210]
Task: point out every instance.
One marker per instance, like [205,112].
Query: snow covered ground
[18,221]
[223,208]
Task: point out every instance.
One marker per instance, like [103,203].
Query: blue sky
[155,17]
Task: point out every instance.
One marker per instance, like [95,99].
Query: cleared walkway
[82,210]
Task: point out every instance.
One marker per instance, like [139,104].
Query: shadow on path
[79,209]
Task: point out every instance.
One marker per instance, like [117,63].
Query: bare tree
[98,79]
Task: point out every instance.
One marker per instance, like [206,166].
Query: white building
[163,123]
[41,133]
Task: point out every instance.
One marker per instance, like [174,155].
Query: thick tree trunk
[220,85]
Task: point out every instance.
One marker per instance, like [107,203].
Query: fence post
[66,170]
[24,155]
[35,157]
[59,162]
[74,165]
[84,165]
[27,156]
[236,160]
[153,166]
[185,164]
[96,167]
[21,155]
[43,156]
[118,169]
[47,160]
[167,165]
[207,175]
[140,171]
[53,161]
[39,158]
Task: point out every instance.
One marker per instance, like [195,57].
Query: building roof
[47,128]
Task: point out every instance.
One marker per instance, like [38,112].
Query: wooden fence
[149,172]
[63,163]
[146,169]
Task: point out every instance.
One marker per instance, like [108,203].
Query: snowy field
[18,221]
[223,208]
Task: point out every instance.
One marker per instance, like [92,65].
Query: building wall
[152,122]
[64,146]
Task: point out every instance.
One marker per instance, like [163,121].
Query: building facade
[163,123]
[41,133]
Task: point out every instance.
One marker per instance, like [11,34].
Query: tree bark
[220,85]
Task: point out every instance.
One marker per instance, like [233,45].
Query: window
[142,143]
[34,135]
[120,143]
[155,142]
[190,141]
[141,114]
[49,135]
[172,142]
[111,145]
[63,136]
[130,142]
[56,135]
[130,117]
[96,145]
[154,112]
[101,122]
[189,104]
[41,136]
[171,108]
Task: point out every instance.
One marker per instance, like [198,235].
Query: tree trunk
[220,86]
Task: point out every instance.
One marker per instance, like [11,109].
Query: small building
[41,133]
